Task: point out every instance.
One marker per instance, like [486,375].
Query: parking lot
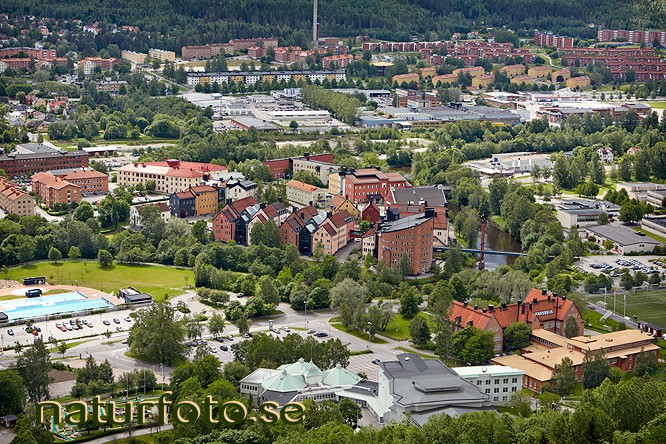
[615,264]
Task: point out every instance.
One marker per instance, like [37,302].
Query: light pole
[306,315]
[369,336]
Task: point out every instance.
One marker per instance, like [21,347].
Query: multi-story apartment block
[280,167]
[637,37]
[543,39]
[198,200]
[112,86]
[137,58]
[229,224]
[411,236]
[162,55]
[88,65]
[304,194]
[359,185]
[13,200]
[89,180]
[170,176]
[252,77]
[53,190]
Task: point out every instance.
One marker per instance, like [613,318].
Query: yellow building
[162,55]
[428,72]
[473,71]
[522,79]
[407,78]
[483,81]
[561,75]
[581,82]
[513,70]
[451,79]
[538,71]
[138,58]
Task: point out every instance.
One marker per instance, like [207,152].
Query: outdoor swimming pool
[58,304]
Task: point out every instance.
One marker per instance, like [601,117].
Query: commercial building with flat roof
[247,122]
[32,158]
[625,240]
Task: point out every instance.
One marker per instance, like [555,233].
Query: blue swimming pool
[59,304]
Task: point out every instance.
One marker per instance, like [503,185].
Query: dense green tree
[34,365]
[156,335]
[517,336]
[595,368]
[419,330]
[13,393]
[563,382]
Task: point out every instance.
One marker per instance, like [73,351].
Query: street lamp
[369,336]
[306,314]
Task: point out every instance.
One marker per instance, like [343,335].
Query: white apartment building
[498,381]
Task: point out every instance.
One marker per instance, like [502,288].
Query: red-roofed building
[89,180]
[464,315]
[275,211]
[225,222]
[294,223]
[371,213]
[539,310]
[52,189]
[360,185]
[303,194]
[339,203]
[280,167]
[13,200]
[343,221]
[170,176]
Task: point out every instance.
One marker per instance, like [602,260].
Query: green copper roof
[340,376]
[284,382]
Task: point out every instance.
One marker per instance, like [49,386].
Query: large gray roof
[404,223]
[418,384]
[621,235]
[433,195]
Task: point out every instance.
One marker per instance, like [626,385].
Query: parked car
[312,331]
[116,320]
[128,319]
[231,338]
[106,322]
[224,348]
[10,332]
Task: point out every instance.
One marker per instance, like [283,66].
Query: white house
[605,154]
[498,381]
[135,220]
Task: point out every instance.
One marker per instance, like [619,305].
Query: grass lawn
[358,334]
[658,105]
[649,306]
[397,329]
[153,279]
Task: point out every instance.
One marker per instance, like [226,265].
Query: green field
[153,279]
[648,306]
[657,105]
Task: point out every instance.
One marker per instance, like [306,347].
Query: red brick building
[547,40]
[413,236]
[464,315]
[17,164]
[294,223]
[52,189]
[279,168]
[647,37]
[225,222]
[360,185]
[89,180]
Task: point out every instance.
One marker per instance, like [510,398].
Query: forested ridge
[169,24]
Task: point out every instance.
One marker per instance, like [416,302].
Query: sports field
[153,279]
[649,306]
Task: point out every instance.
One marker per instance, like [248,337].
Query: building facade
[170,176]
[13,200]
[412,236]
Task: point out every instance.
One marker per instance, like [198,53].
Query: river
[496,239]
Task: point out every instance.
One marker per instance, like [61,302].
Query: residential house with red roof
[371,213]
[228,224]
[339,203]
[276,212]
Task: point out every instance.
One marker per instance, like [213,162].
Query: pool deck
[90,293]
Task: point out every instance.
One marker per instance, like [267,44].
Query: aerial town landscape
[307,222]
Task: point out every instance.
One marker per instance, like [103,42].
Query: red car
[35,333]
